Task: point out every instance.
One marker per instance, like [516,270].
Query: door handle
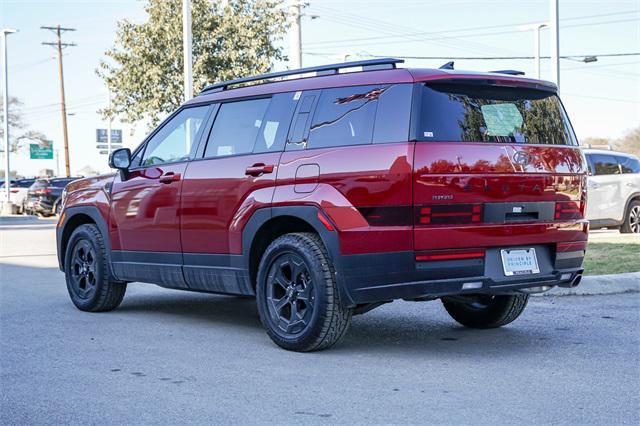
[169,177]
[593,185]
[259,169]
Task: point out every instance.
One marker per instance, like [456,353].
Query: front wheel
[632,219]
[485,311]
[297,294]
[86,272]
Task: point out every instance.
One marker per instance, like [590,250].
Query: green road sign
[42,151]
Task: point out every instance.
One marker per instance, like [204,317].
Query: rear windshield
[475,113]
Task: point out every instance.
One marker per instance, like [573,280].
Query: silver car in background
[613,190]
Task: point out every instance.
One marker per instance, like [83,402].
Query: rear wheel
[632,219]
[485,311]
[86,272]
[297,294]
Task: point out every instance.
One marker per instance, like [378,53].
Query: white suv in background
[613,190]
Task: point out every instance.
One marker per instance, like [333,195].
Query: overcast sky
[602,98]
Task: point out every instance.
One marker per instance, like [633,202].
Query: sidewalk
[592,285]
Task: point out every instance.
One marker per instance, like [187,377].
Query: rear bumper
[370,278]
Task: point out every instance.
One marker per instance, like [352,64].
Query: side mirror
[120,159]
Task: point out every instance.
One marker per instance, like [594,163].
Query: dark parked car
[45,195]
[325,197]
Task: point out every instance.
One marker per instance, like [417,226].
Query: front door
[232,177]
[145,207]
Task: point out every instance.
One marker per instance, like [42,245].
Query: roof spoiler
[508,72]
[367,65]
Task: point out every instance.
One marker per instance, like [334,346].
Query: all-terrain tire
[328,320]
[93,291]
[631,219]
[487,311]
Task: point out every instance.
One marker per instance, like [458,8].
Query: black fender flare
[309,214]
[94,214]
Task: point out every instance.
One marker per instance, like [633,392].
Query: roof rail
[508,72]
[367,65]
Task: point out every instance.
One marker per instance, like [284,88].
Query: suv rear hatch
[493,161]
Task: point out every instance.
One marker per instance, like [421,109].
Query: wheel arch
[72,218]
[270,223]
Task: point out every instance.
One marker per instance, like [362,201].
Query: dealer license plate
[519,261]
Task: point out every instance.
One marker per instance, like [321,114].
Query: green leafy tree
[19,133]
[230,40]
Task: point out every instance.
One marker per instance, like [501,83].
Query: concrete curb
[593,285]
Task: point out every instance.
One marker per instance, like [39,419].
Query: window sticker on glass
[225,150]
[428,134]
[257,123]
[501,119]
[297,95]
[269,132]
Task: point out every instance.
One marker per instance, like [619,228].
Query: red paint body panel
[457,172]
[350,177]
[145,212]
[218,198]
[91,191]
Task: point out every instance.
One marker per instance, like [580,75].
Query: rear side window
[628,164]
[605,164]
[482,113]
[359,115]
[236,128]
[39,184]
[344,116]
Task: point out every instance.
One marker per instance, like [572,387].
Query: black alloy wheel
[290,294]
[83,269]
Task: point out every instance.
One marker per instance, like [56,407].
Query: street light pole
[186,47]
[5,100]
[536,43]
[295,55]
[555,41]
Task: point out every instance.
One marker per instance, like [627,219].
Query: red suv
[327,196]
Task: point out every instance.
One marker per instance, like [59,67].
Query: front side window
[628,164]
[174,140]
[344,116]
[605,164]
[236,128]
[483,113]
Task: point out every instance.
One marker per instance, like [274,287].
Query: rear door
[605,188]
[234,174]
[487,156]
[145,207]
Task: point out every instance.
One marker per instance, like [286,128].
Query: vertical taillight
[566,210]
[449,214]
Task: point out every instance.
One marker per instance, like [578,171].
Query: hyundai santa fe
[327,196]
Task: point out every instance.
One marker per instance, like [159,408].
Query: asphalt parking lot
[173,357]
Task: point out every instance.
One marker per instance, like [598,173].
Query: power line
[348,42]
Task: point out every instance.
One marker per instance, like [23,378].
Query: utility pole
[109,127]
[536,43]
[555,41]
[58,30]
[295,55]
[186,47]
[7,208]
